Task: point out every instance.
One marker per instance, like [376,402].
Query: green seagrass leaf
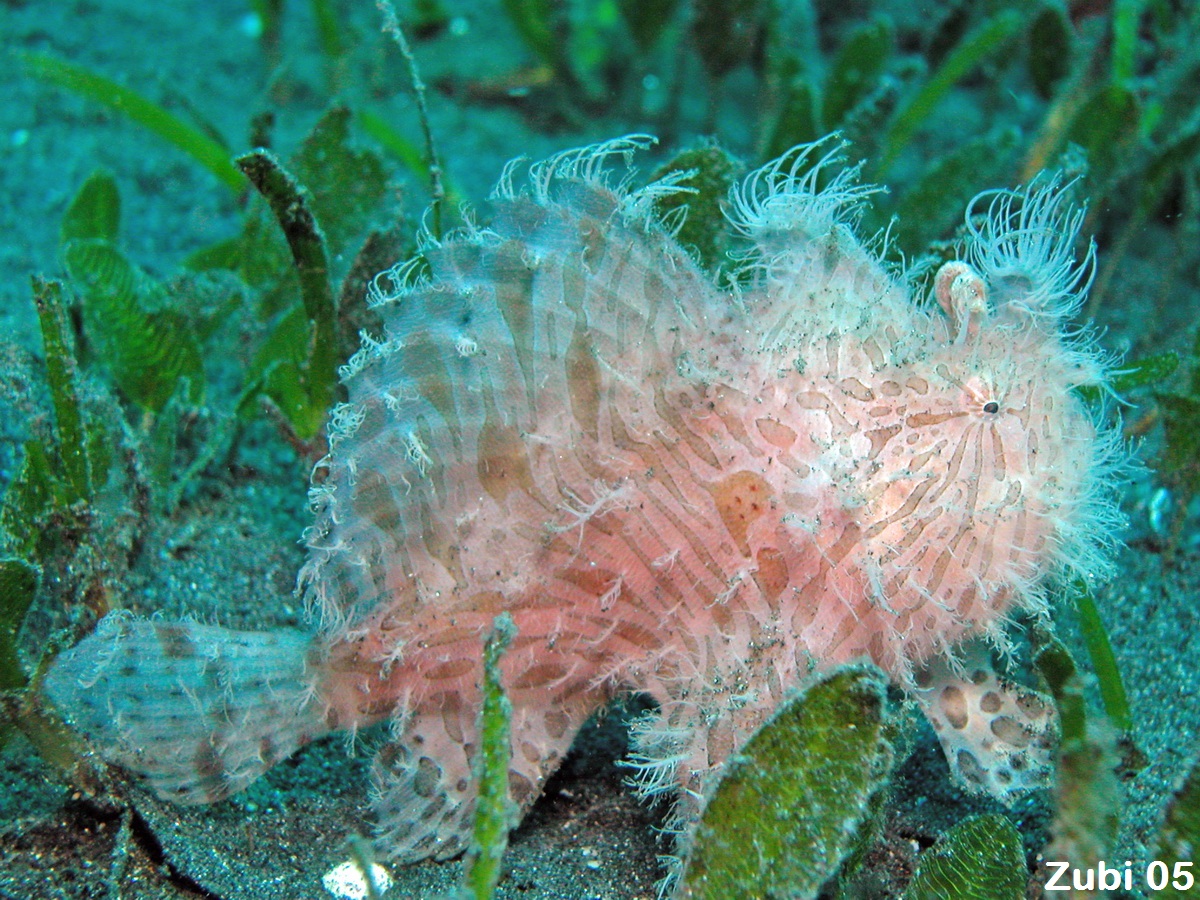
[1165,164]
[1104,661]
[1151,369]
[986,41]
[329,30]
[310,397]
[865,126]
[647,19]
[1126,19]
[1086,790]
[18,584]
[75,482]
[796,122]
[1105,127]
[348,186]
[1049,43]
[495,813]
[710,173]
[787,810]
[856,70]
[224,254]
[1180,459]
[1055,663]
[1146,371]
[727,33]
[533,21]
[279,371]
[95,212]
[150,115]
[147,351]
[33,491]
[980,858]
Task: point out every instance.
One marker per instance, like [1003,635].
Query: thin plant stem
[391,25]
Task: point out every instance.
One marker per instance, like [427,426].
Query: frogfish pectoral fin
[998,737]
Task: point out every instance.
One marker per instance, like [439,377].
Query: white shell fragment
[347,881]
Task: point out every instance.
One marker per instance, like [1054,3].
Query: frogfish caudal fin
[199,711]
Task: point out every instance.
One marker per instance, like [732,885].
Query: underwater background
[160,417]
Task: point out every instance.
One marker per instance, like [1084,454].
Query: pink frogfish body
[704,494]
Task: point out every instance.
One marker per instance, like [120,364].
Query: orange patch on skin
[772,573]
[741,498]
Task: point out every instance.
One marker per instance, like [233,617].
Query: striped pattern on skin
[698,493]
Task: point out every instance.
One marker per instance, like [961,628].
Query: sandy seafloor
[231,552]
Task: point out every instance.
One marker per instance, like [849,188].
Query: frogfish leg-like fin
[998,737]
[199,711]
[424,783]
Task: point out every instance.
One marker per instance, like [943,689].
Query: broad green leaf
[224,254]
[865,126]
[980,858]
[934,205]
[1125,17]
[33,491]
[647,19]
[532,20]
[1086,789]
[787,810]
[76,481]
[1181,457]
[796,122]
[309,398]
[1104,126]
[280,370]
[329,31]
[712,172]
[95,212]
[1055,664]
[1104,661]
[1165,165]
[727,33]
[1146,371]
[147,350]
[348,186]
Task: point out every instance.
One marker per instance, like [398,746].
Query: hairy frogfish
[705,492]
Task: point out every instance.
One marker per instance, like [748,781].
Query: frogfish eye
[991,407]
